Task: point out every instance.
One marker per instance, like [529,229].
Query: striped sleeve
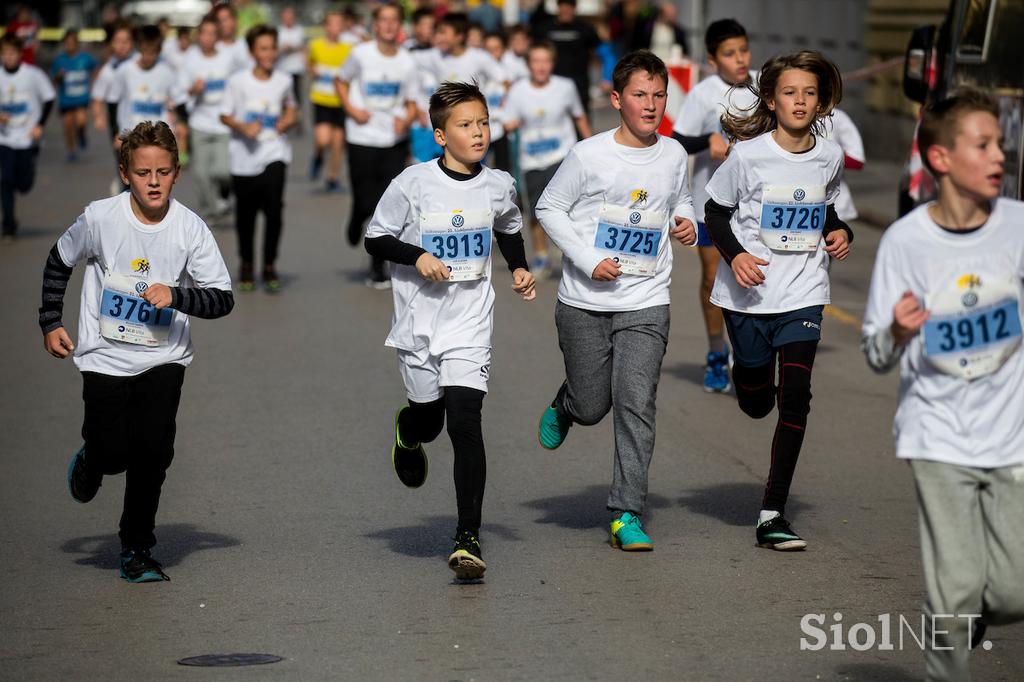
[208,304]
[55,283]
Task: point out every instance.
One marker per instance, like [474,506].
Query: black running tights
[263,192]
[423,423]
[757,394]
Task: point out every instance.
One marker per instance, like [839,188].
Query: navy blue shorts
[703,236]
[754,338]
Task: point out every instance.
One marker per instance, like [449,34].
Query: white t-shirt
[841,130]
[171,53]
[978,422]
[515,66]
[204,107]
[602,185]
[547,132]
[241,57]
[701,114]
[793,279]
[22,94]
[294,37]
[144,95]
[442,316]
[473,65]
[250,99]
[382,85]
[179,251]
[105,78]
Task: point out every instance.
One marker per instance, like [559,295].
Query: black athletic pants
[372,169]
[17,174]
[129,427]
[422,423]
[263,192]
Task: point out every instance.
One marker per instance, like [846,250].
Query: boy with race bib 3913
[611,208]
[151,263]
[945,306]
[435,222]
[771,215]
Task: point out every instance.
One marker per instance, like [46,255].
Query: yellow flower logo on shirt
[968,281]
[141,266]
[638,196]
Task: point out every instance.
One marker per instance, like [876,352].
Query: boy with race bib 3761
[945,306]
[151,263]
[611,208]
[435,222]
[771,215]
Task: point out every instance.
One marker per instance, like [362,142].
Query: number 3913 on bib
[461,240]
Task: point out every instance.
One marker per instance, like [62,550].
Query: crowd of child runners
[765,209]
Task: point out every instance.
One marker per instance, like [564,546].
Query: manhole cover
[229,660]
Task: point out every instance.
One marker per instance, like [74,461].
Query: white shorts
[426,375]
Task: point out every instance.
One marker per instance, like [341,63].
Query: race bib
[792,218]
[17,107]
[974,326]
[542,146]
[324,83]
[213,89]
[125,316]
[260,111]
[381,94]
[631,238]
[461,239]
[145,110]
[76,84]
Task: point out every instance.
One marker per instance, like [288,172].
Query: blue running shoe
[81,487]
[629,536]
[139,566]
[716,373]
[553,427]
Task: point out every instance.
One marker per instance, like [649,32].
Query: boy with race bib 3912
[611,208]
[945,306]
[435,222]
[151,263]
[771,215]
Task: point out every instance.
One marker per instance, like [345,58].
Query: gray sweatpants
[210,165]
[613,362]
[973,551]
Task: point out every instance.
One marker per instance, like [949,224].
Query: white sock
[766,515]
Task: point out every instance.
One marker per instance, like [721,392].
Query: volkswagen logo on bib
[634,217]
[458,221]
[141,287]
[799,195]
[970,299]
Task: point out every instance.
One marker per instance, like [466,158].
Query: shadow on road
[586,508]
[875,671]
[736,504]
[433,537]
[176,542]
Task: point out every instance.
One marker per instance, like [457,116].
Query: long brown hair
[739,126]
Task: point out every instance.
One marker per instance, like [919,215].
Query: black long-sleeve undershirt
[717,217]
[47,108]
[391,248]
[693,144]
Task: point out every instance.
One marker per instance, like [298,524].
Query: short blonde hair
[147,134]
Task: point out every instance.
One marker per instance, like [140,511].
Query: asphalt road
[286,532]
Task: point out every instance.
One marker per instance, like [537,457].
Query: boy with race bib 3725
[771,215]
[151,263]
[435,222]
[945,306]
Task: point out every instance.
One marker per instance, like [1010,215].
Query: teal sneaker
[553,427]
[629,536]
[81,487]
[410,461]
[776,533]
[139,566]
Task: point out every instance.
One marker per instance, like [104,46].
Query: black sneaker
[409,460]
[978,636]
[466,558]
[80,485]
[776,534]
[139,566]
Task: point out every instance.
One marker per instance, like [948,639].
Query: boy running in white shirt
[436,222]
[204,75]
[771,215]
[547,112]
[259,108]
[120,42]
[151,263]
[378,87]
[843,131]
[945,306]
[145,88]
[699,130]
[611,208]
[26,99]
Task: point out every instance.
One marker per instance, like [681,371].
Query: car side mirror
[919,66]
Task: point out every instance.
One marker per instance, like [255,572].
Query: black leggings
[372,169]
[263,192]
[757,394]
[423,423]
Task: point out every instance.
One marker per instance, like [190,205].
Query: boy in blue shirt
[72,73]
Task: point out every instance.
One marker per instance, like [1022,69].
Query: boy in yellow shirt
[326,56]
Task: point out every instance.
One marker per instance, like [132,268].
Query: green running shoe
[776,534]
[466,558]
[553,427]
[629,536]
[410,461]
